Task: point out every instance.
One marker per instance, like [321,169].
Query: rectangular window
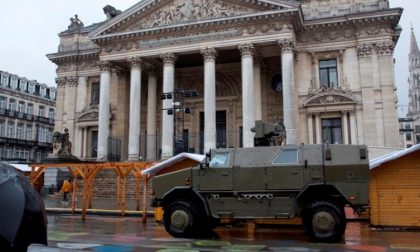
[328,73]
[408,137]
[287,157]
[407,125]
[51,113]
[41,111]
[29,132]
[4,80]
[2,129]
[220,159]
[23,85]
[2,102]
[12,105]
[52,94]
[50,136]
[31,88]
[20,133]
[37,90]
[9,152]
[331,131]
[21,107]
[14,83]
[417,128]
[42,91]
[43,135]
[30,109]
[10,130]
[418,139]
[94,95]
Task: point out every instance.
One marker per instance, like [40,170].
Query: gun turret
[268,134]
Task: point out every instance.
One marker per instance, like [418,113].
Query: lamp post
[178,97]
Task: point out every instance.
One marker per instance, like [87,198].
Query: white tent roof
[173,160]
[392,156]
[22,167]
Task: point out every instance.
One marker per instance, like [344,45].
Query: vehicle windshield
[220,159]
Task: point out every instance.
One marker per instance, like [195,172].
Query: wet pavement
[125,234]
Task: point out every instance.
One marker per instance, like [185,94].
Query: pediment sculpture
[180,11]
[329,96]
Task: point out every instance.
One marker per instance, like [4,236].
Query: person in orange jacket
[65,189]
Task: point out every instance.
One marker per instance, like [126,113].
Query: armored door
[286,170]
[218,176]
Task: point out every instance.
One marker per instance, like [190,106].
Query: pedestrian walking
[65,189]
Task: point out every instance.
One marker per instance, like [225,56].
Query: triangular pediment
[329,96]
[155,14]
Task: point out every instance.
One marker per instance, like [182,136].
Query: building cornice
[72,56]
[389,15]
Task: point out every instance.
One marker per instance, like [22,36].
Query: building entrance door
[94,144]
[220,130]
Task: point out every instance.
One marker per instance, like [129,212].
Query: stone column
[289,99]
[353,128]
[368,93]
[247,52]
[81,94]
[387,78]
[59,104]
[168,120]
[257,89]
[209,55]
[344,123]
[135,110]
[310,129]
[78,152]
[85,142]
[318,128]
[103,124]
[151,117]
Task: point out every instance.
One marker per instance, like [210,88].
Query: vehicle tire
[324,221]
[181,218]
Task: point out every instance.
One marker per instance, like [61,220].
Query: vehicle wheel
[181,218]
[323,221]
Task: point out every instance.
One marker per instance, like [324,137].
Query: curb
[99,212]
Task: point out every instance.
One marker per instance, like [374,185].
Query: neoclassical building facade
[27,110]
[126,86]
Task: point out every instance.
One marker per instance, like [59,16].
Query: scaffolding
[88,171]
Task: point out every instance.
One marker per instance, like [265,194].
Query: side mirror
[208,155]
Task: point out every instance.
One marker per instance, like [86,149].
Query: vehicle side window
[287,157]
[220,159]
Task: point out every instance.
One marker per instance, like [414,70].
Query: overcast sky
[29,31]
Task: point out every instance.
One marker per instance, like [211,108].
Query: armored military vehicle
[313,182]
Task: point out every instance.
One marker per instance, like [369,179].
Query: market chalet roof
[375,163]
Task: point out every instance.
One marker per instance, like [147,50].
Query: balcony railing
[26,116]
[23,140]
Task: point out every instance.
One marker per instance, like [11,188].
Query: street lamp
[178,96]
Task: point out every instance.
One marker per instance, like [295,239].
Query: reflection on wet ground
[125,234]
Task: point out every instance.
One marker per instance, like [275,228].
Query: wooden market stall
[88,171]
[395,189]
